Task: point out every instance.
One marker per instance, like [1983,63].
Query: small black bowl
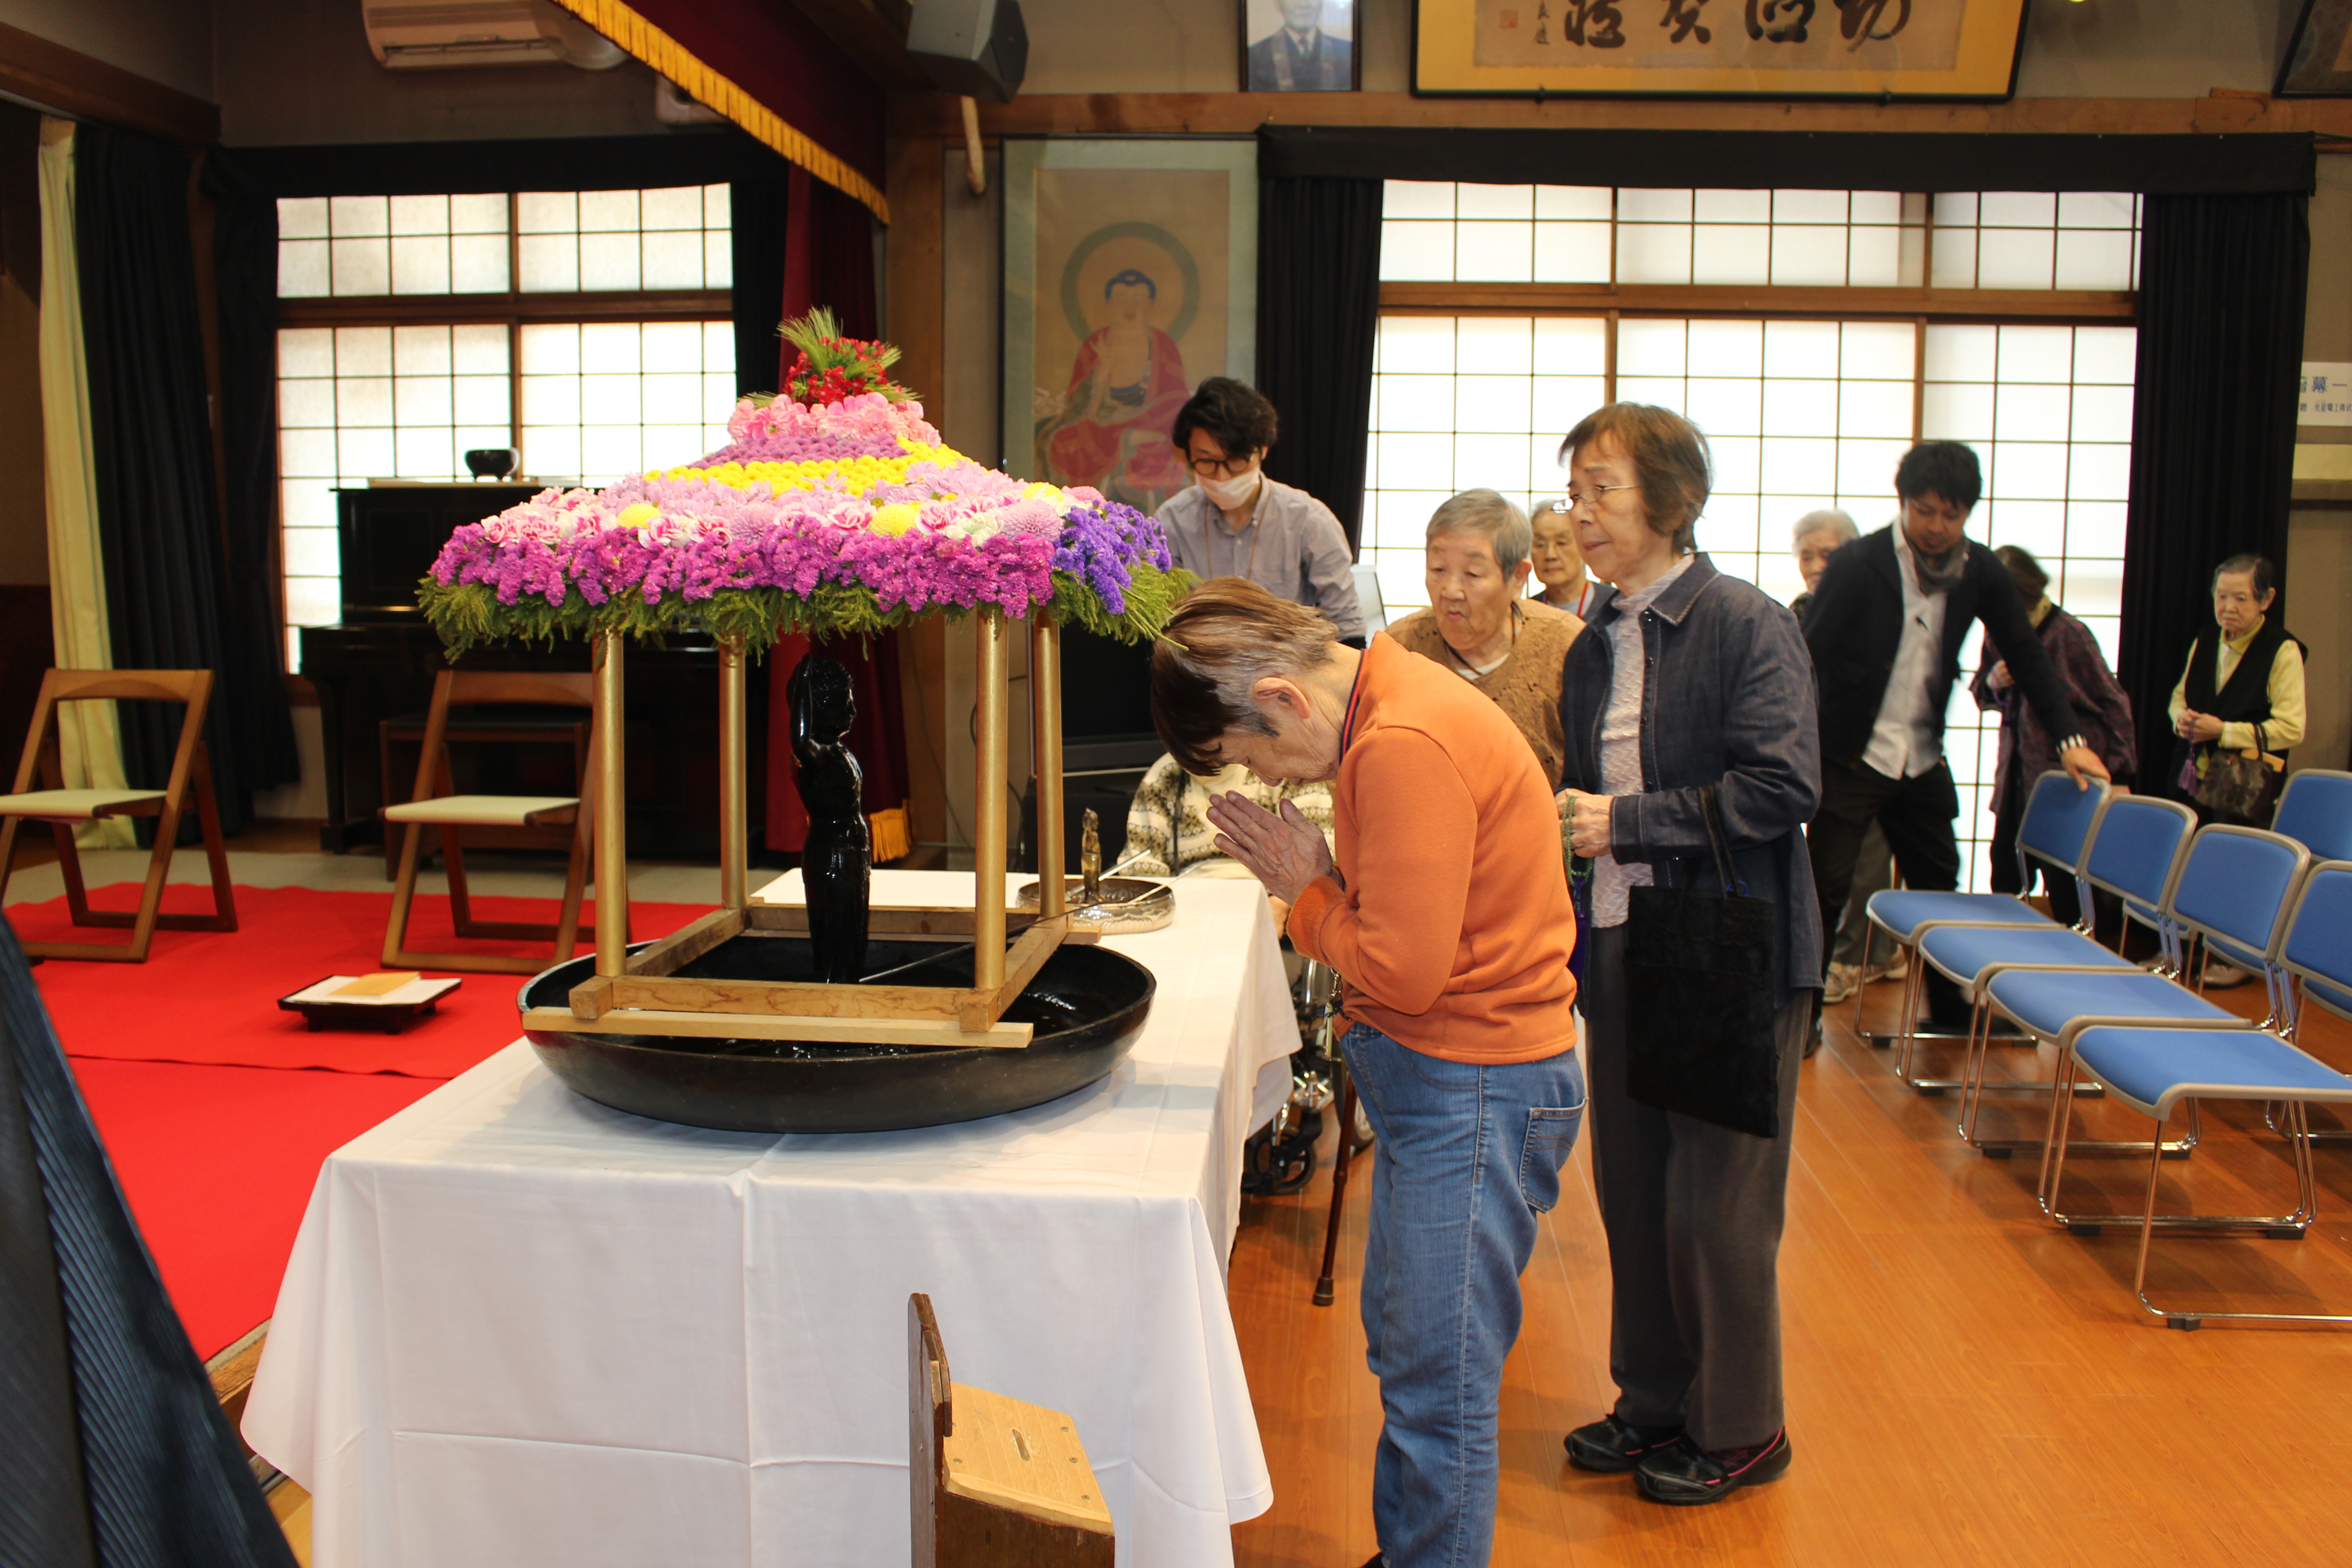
[493,462]
[1087,1006]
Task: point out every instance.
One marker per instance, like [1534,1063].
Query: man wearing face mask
[1886,628]
[1234,521]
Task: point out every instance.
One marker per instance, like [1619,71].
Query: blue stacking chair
[2141,851]
[2152,1070]
[2311,953]
[2057,825]
[2235,884]
[2315,811]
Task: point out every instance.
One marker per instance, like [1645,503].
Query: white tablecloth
[520,1328]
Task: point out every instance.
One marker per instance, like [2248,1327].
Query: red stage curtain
[779,57]
[829,261]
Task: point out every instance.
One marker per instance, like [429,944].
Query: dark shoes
[1611,1446]
[1684,1475]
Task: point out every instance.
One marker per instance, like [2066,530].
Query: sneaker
[1684,1475]
[2220,976]
[1900,968]
[1612,1446]
[1844,980]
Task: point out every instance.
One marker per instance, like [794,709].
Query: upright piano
[379,662]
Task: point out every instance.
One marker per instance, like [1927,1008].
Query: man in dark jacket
[1886,628]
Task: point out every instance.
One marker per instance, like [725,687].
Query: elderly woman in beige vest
[1478,625]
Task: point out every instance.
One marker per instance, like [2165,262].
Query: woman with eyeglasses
[1233,520]
[1684,679]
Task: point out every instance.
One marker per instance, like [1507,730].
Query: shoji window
[589,329]
[1511,312]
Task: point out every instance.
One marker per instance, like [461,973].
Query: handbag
[2238,784]
[1699,1036]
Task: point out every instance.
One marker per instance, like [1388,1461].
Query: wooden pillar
[734,830]
[988,824]
[1046,747]
[612,807]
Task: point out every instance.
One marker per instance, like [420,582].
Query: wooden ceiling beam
[69,82]
[1230,113]
[2076,305]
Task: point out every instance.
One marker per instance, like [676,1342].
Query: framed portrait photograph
[1130,276]
[1778,48]
[2318,58]
[1299,46]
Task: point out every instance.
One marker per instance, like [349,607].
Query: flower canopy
[825,517]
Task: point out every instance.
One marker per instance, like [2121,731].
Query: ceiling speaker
[976,47]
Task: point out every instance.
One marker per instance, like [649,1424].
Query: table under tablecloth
[521,1328]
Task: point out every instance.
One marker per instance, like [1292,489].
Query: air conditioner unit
[428,35]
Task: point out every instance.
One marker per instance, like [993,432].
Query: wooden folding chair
[63,809]
[993,1483]
[435,804]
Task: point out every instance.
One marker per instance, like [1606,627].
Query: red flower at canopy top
[832,367]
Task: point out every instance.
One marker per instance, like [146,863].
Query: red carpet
[211,997]
[218,1164]
[218,1154]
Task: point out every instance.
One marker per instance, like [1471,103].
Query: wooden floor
[1966,1384]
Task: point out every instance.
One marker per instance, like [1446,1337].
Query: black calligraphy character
[1682,15]
[1778,21]
[1603,24]
[1543,23]
[1858,20]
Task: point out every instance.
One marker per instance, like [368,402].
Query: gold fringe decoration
[648,43]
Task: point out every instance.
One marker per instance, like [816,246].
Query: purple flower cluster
[1099,544]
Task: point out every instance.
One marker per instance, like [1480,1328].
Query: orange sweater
[1449,922]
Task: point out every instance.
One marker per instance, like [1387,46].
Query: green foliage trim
[469,615]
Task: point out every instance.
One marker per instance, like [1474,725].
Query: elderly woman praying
[1443,903]
[1478,625]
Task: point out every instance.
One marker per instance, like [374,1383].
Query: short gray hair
[1832,518]
[1487,512]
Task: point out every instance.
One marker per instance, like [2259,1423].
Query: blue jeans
[1467,1157]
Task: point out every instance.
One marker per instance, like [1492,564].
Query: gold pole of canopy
[1046,747]
[611,806]
[734,841]
[987,811]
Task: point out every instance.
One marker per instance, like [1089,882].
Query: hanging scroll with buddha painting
[1778,48]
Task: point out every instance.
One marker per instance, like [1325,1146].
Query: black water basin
[1086,1006]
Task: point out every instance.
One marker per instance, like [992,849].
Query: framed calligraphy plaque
[1768,48]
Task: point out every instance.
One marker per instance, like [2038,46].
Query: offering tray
[1123,905]
[1086,1007]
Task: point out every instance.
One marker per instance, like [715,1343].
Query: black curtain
[2213,416]
[158,523]
[251,693]
[1319,313]
[757,206]
[114,1452]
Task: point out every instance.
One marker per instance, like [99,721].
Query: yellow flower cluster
[856,475]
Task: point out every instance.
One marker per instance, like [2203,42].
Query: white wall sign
[2326,394]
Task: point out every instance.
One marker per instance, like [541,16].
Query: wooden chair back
[192,687]
[469,688]
[1010,1488]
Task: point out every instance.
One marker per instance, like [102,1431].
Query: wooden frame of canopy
[642,993]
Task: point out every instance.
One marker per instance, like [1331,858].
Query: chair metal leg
[1341,1160]
[2288,1227]
[2056,1145]
[1977,1084]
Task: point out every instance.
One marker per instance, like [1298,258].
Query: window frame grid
[1971,735]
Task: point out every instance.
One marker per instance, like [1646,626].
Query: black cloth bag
[1698,998]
